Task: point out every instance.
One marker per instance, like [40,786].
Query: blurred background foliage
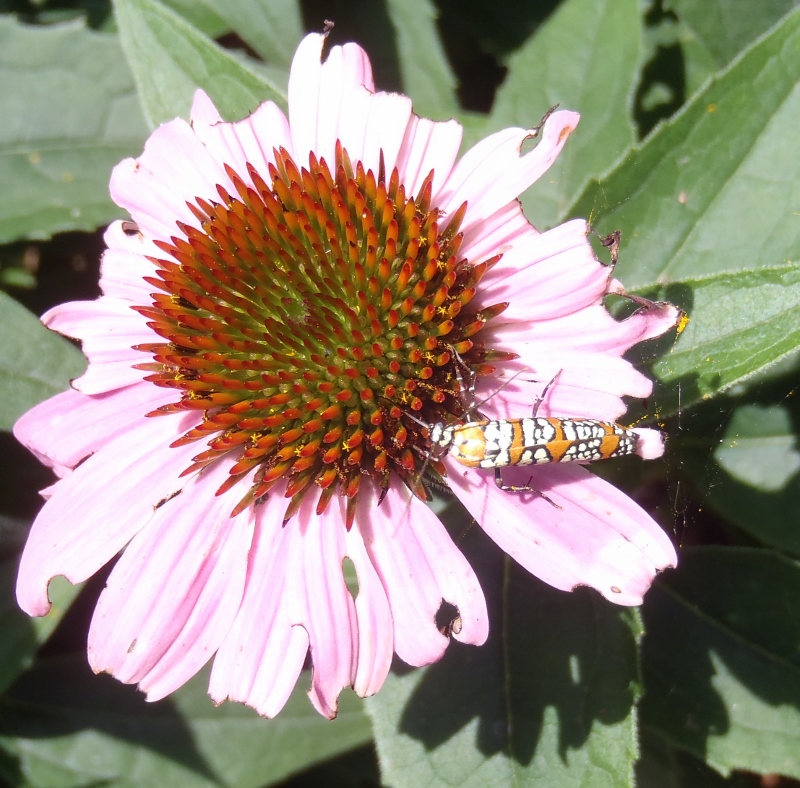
[690,144]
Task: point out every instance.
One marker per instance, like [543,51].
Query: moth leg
[498,480]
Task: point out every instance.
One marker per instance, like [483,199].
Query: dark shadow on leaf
[68,269]
[96,13]
[454,691]
[573,653]
[760,516]
[768,517]
[60,696]
[662,765]
[356,769]
[690,707]
[726,622]
[18,640]
[662,87]
[498,26]
[10,769]
[22,478]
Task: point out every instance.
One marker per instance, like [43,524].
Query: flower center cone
[320,322]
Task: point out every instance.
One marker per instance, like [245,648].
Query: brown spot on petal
[564,133]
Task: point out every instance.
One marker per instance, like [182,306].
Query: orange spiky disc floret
[306,318]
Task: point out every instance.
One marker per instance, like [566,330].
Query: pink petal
[210,620]
[263,679]
[591,329]
[546,275]
[67,428]
[419,567]
[594,534]
[295,583]
[174,592]
[580,402]
[498,234]
[373,125]
[375,623]
[493,172]
[427,145]
[108,328]
[318,92]
[47,492]
[125,264]
[203,113]
[588,385]
[319,600]
[252,140]
[304,96]
[99,507]
[259,665]
[351,65]
[174,168]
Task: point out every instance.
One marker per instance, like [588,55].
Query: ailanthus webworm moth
[501,443]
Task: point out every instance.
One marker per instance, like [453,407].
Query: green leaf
[753,479]
[759,448]
[712,189]
[73,728]
[273,28]
[200,15]
[740,324]
[22,635]
[585,57]
[699,60]
[68,114]
[713,33]
[426,73]
[547,701]
[34,363]
[724,27]
[17,278]
[720,659]
[170,59]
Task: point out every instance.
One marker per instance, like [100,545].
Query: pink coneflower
[286,294]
